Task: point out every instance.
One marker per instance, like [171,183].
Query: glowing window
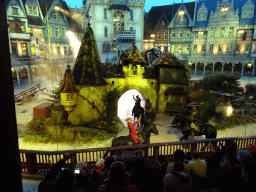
[228,48]
[24,49]
[211,48]
[118,21]
[33,49]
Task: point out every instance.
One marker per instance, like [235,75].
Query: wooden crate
[42,110]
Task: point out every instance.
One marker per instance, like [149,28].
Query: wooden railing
[39,162]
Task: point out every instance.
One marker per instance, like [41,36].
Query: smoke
[74,42]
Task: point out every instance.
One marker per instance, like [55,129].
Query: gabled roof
[45,6]
[156,12]
[15,3]
[119,7]
[211,5]
[74,26]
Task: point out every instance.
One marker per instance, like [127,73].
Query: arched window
[106,47]
[134,69]
[105,13]
[131,15]
[106,31]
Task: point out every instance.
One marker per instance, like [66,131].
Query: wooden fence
[39,162]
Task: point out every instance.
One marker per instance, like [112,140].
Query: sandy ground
[24,113]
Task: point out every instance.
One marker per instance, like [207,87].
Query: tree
[220,82]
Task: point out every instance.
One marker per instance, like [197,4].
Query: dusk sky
[148,5]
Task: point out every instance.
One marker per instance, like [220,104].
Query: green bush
[235,120]
[112,128]
[37,124]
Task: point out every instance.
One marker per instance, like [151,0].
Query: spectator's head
[161,158]
[244,157]
[231,147]
[81,164]
[117,173]
[195,155]
[109,161]
[188,156]
[179,154]
[100,163]
[66,179]
[179,157]
[119,158]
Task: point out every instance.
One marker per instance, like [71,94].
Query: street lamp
[56,7]
[181,12]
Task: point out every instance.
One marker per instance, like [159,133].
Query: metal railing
[39,162]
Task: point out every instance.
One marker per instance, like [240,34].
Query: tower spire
[86,68]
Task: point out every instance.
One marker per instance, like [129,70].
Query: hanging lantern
[68,91]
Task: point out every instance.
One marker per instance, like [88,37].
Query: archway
[126,104]
[192,67]
[248,68]
[238,68]
[199,68]
[23,74]
[218,67]
[228,67]
[208,68]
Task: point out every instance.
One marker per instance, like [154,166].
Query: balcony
[125,36]
[245,27]
[24,36]
[200,29]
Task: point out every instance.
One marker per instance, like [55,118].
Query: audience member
[178,179]
[117,179]
[230,175]
[188,157]
[120,158]
[198,169]
[153,177]
[104,172]
[213,166]
[84,178]
[99,167]
[178,155]
[163,164]
[229,159]
[197,166]
[248,164]
[214,161]
[138,173]
[65,181]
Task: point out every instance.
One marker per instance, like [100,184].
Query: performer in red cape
[133,130]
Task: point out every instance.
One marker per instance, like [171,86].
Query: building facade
[223,38]
[212,35]
[37,37]
[117,25]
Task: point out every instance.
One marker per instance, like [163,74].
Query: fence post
[73,160]
[31,162]
[156,151]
